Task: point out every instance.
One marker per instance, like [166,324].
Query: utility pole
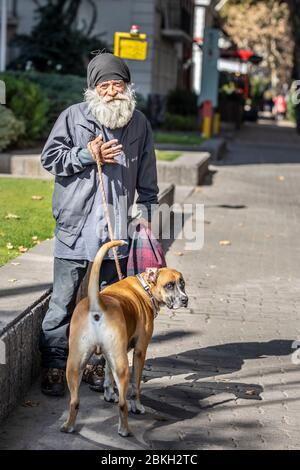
[3,44]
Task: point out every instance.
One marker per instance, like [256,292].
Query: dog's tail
[93,289]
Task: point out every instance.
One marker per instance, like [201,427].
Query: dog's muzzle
[178,302]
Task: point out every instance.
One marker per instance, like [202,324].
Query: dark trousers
[67,278]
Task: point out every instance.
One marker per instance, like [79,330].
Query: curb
[187,170]
[216,147]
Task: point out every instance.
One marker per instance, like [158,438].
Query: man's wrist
[85,157]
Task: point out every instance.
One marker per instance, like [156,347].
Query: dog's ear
[151,274]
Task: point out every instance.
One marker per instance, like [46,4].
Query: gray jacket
[76,177]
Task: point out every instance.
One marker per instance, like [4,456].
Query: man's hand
[110,150]
[106,152]
[94,147]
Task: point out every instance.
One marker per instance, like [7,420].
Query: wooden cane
[105,206]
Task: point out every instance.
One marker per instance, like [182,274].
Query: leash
[106,211]
[147,289]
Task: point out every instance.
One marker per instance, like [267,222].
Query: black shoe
[53,382]
[94,376]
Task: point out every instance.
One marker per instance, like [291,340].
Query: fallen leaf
[280,178]
[12,280]
[37,198]
[22,249]
[15,264]
[30,403]
[36,242]
[12,216]
[9,246]
[224,242]
[34,237]
[178,253]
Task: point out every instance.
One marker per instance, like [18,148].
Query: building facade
[167,23]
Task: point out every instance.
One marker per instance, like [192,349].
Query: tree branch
[94,17]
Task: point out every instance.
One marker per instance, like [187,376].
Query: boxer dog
[113,322]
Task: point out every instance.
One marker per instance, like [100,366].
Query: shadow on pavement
[181,402]
[214,360]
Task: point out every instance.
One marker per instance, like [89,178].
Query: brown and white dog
[112,323]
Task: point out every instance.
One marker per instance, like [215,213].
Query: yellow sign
[131,46]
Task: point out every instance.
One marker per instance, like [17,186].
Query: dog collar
[147,289]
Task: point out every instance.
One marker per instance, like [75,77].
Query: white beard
[111,114]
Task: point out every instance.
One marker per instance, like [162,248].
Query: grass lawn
[178,138]
[167,155]
[25,215]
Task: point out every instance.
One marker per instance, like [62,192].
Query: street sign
[130,46]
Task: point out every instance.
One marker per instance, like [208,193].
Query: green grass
[167,155]
[178,138]
[35,215]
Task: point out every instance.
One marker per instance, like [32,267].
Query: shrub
[61,90]
[175,122]
[183,102]
[28,102]
[10,127]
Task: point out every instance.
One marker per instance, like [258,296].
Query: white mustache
[113,98]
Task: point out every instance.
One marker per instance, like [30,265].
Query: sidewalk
[219,374]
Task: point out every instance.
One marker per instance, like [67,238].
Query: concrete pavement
[219,375]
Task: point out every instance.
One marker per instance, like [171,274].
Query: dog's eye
[170,285]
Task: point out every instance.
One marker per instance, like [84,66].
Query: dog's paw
[110,396]
[125,432]
[66,428]
[136,407]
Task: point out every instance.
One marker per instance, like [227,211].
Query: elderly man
[106,126]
